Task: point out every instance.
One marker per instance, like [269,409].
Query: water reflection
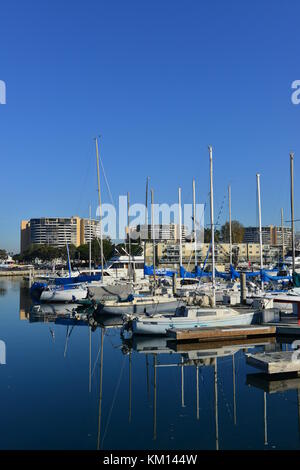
[192,354]
[2,291]
[137,389]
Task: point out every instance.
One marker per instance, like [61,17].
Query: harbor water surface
[61,390]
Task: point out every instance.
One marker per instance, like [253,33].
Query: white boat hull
[160,326]
[63,295]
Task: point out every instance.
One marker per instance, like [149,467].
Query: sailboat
[64,293]
[191,316]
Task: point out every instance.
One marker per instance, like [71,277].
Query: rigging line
[113,400]
[106,182]
[96,361]
[85,175]
[104,259]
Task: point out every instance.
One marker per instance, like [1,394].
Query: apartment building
[57,231]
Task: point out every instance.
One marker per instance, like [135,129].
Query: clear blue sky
[159,80]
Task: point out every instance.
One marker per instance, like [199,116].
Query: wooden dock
[275,362]
[274,383]
[221,333]
[243,343]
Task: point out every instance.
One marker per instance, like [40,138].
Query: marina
[149,232]
[208,397]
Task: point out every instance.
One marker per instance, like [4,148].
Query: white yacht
[7,263]
[119,266]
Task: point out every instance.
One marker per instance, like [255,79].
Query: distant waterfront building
[167,232]
[56,231]
[271,235]
[167,253]
[89,230]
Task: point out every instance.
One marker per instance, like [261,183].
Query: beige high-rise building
[57,231]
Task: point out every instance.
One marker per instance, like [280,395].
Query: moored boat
[140,304]
[64,293]
[194,317]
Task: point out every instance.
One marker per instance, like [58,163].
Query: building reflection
[25,303]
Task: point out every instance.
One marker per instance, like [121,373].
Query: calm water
[51,390]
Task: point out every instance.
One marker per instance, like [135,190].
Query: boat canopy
[149,271]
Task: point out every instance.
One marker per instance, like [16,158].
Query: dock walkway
[226,332]
[275,362]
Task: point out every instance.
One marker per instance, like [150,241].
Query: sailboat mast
[180,227]
[90,242]
[212,226]
[153,235]
[100,209]
[230,231]
[146,220]
[260,229]
[194,223]
[69,261]
[292,207]
[129,240]
[282,234]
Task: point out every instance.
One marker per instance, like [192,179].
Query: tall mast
[90,241]
[100,210]
[212,226]
[216,402]
[230,231]
[129,240]
[180,227]
[146,219]
[260,229]
[292,207]
[194,223]
[282,234]
[153,234]
[101,390]
[69,262]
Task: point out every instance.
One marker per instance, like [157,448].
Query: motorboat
[194,317]
[119,266]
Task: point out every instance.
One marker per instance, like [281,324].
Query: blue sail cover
[149,271]
[266,277]
[262,273]
[200,273]
[61,281]
[183,273]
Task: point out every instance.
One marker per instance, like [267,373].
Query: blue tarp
[233,274]
[185,274]
[149,271]
[200,273]
[61,281]
[262,273]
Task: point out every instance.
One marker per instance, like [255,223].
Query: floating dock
[221,333]
[274,383]
[275,362]
[243,343]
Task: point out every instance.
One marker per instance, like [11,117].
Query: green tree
[83,252]
[3,254]
[136,248]
[237,230]
[108,250]
[207,235]
[42,252]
